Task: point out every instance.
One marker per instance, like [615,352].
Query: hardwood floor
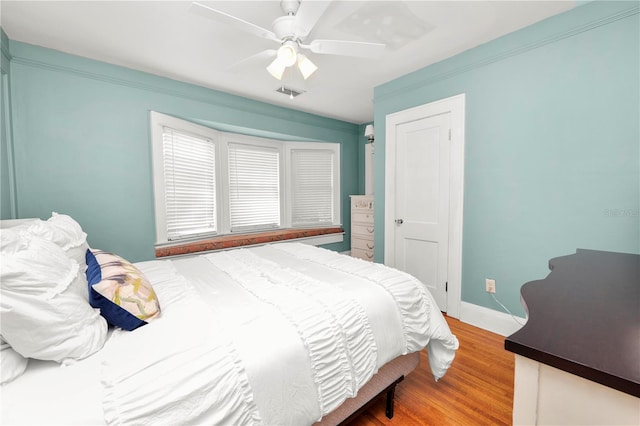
[477,389]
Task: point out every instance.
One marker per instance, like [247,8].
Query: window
[312,186]
[189,184]
[209,183]
[254,187]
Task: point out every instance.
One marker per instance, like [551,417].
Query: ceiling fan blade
[347,48]
[308,15]
[263,56]
[241,24]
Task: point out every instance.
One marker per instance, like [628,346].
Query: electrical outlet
[490,285]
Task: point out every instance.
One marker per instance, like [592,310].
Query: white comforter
[278,334]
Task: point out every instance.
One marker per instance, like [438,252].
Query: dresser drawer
[362,243]
[362,254]
[362,203]
[366,216]
[362,229]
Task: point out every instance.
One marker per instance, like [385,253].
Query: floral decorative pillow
[122,293]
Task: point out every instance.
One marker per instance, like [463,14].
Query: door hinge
[446,286]
[449,135]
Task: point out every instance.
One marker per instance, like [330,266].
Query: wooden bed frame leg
[391,393]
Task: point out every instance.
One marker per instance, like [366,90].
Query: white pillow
[34,266]
[43,311]
[12,364]
[9,223]
[65,232]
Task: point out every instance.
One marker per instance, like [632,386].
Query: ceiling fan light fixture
[291,31]
[305,66]
[287,53]
[276,69]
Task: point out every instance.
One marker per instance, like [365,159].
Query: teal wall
[82,143]
[362,143]
[7,204]
[552,160]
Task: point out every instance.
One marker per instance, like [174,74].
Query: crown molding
[449,69]
[4,49]
[56,61]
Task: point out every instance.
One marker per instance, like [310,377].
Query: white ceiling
[167,39]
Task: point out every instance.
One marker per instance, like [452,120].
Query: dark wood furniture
[584,318]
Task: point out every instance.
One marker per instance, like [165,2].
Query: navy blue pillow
[114,314]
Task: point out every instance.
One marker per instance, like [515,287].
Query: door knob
[399,221]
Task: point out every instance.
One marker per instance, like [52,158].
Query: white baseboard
[488,319]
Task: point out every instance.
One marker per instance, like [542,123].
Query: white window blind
[190,184]
[312,186]
[254,187]
[210,182]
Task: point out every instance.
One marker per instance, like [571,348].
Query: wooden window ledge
[231,241]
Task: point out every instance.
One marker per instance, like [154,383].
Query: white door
[422,201]
[423,188]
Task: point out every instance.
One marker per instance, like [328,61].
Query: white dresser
[362,226]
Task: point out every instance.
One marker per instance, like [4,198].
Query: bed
[286,334]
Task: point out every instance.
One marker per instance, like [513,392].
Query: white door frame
[456,106]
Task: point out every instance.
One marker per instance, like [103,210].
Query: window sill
[233,241]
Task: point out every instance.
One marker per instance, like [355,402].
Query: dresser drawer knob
[399,221]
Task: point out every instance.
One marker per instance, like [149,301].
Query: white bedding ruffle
[422,322]
[179,368]
[334,329]
[211,358]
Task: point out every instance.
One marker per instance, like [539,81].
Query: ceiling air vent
[292,93]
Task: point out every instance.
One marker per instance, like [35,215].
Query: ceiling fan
[291,31]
